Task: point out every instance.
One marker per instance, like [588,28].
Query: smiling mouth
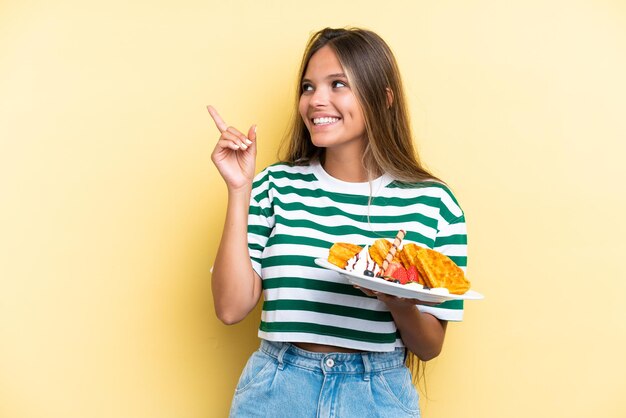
[324,121]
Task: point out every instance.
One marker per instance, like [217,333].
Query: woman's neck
[344,167]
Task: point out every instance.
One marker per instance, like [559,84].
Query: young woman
[349,173]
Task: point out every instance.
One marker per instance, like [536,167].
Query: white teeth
[324,121]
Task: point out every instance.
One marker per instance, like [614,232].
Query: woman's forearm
[422,333]
[236,286]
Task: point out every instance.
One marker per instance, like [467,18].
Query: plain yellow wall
[111,212]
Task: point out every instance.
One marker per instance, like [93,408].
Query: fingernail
[248,141]
[244,146]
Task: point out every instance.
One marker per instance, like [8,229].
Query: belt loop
[281,354]
[367,366]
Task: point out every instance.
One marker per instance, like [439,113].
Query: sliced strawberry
[397,272]
[401,275]
[414,275]
[390,269]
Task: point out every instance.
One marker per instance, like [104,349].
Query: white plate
[397,289]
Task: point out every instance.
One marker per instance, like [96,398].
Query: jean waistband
[365,362]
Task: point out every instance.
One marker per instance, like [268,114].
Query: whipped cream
[362,262]
[414,285]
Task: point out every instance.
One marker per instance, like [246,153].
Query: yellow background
[111,212]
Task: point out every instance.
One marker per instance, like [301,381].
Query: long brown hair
[373,74]
[374,77]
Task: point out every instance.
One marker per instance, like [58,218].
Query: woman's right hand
[234,154]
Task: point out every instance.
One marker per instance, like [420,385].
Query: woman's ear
[389,97]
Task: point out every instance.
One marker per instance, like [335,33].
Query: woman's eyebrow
[336,75]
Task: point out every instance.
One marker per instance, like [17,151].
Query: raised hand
[234,154]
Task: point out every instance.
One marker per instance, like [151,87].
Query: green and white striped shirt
[298,212]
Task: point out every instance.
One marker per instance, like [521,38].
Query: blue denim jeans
[282,380]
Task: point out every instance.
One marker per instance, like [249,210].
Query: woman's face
[328,106]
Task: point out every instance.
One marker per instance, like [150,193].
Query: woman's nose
[320,97]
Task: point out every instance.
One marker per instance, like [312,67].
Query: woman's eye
[307,87]
[338,83]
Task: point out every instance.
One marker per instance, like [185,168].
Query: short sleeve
[260,219]
[451,240]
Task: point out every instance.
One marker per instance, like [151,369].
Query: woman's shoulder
[284,170]
[431,192]
[426,186]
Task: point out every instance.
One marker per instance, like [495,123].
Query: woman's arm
[422,333]
[235,285]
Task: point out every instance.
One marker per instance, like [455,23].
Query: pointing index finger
[219,122]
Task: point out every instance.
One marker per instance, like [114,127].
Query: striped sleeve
[260,219]
[451,240]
